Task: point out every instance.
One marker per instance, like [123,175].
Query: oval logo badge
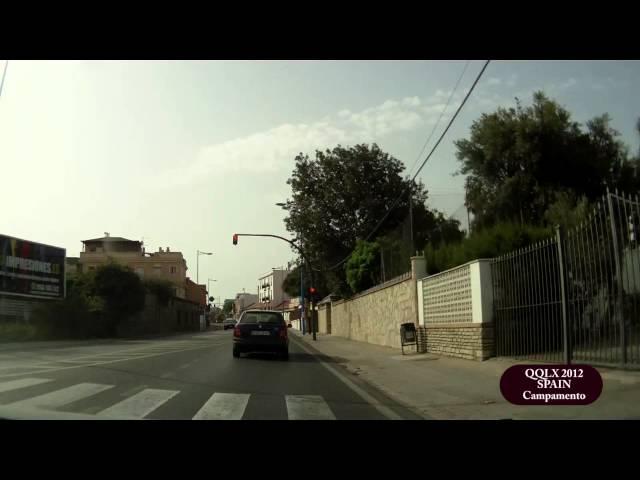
[551,384]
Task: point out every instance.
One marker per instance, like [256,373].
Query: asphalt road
[183,377]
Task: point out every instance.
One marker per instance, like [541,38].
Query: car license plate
[260,332]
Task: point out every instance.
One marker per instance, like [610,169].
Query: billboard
[31,269]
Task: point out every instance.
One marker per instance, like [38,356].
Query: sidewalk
[444,388]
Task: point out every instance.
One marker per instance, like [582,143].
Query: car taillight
[283,333]
[236,331]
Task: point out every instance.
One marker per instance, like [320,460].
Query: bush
[18,332]
[488,243]
[122,291]
[363,267]
[162,289]
[96,303]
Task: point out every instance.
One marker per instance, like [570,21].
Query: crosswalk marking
[64,396]
[308,407]
[219,406]
[141,404]
[223,406]
[22,383]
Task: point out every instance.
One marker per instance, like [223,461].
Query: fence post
[616,254]
[563,297]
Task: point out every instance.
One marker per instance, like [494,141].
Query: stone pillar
[418,268]
[481,291]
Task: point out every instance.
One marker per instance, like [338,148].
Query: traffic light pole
[306,260]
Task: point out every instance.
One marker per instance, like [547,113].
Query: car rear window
[274,318]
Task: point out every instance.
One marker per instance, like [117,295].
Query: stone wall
[324,315]
[374,316]
[473,341]
[177,315]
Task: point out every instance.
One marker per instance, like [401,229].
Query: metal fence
[576,296]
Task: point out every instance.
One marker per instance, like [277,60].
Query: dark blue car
[261,331]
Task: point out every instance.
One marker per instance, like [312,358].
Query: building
[270,287]
[163,264]
[242,302]
[71,266]
[196,293]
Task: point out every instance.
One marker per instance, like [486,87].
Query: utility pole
[411,219]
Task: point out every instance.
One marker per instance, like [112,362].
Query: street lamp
[198,264]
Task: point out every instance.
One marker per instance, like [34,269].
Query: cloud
[493,81]
[275,149]
[571,82]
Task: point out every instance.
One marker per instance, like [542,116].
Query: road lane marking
[64,396]
[308,407]
[223,406]
[139,405]
[22,383]
[383,409]
[42,368]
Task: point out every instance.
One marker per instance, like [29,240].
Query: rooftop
[110,239]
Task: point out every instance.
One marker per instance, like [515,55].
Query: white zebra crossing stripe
[308,407]
[223,406]
[141,404]
[22,383]
[64,396]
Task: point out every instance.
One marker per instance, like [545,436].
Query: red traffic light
[312,290]
[235,238]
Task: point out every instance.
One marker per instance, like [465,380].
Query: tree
[227,307]
[162,289]
[567,210]
[291,283]
[518,159]
[363,267]
[122,291]
[338,197]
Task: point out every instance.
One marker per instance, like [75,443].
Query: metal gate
[575,296]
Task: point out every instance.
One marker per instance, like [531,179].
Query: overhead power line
[435,126]
[405,191]
[4,74]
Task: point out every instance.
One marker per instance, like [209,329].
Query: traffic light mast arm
[306,259]
[290,242]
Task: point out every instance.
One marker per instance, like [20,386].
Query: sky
[185,153]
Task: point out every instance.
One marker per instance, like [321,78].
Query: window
[92,267]
[157,270]
[255,317]
[140,271]
[173,269]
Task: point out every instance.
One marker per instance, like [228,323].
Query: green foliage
[121,289]
[227,307]
[518,159]
[18,332]
[96,303]
[162,289]
[363,267]
[338,197]
[567,210]
[291,283]
[487,243]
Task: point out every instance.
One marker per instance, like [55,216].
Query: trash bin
[408,335]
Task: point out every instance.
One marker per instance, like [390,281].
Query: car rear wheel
[236,352]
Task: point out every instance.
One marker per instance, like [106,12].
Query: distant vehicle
[261,331]
[228,323]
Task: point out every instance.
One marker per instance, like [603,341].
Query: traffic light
[235,238]
[312,293]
